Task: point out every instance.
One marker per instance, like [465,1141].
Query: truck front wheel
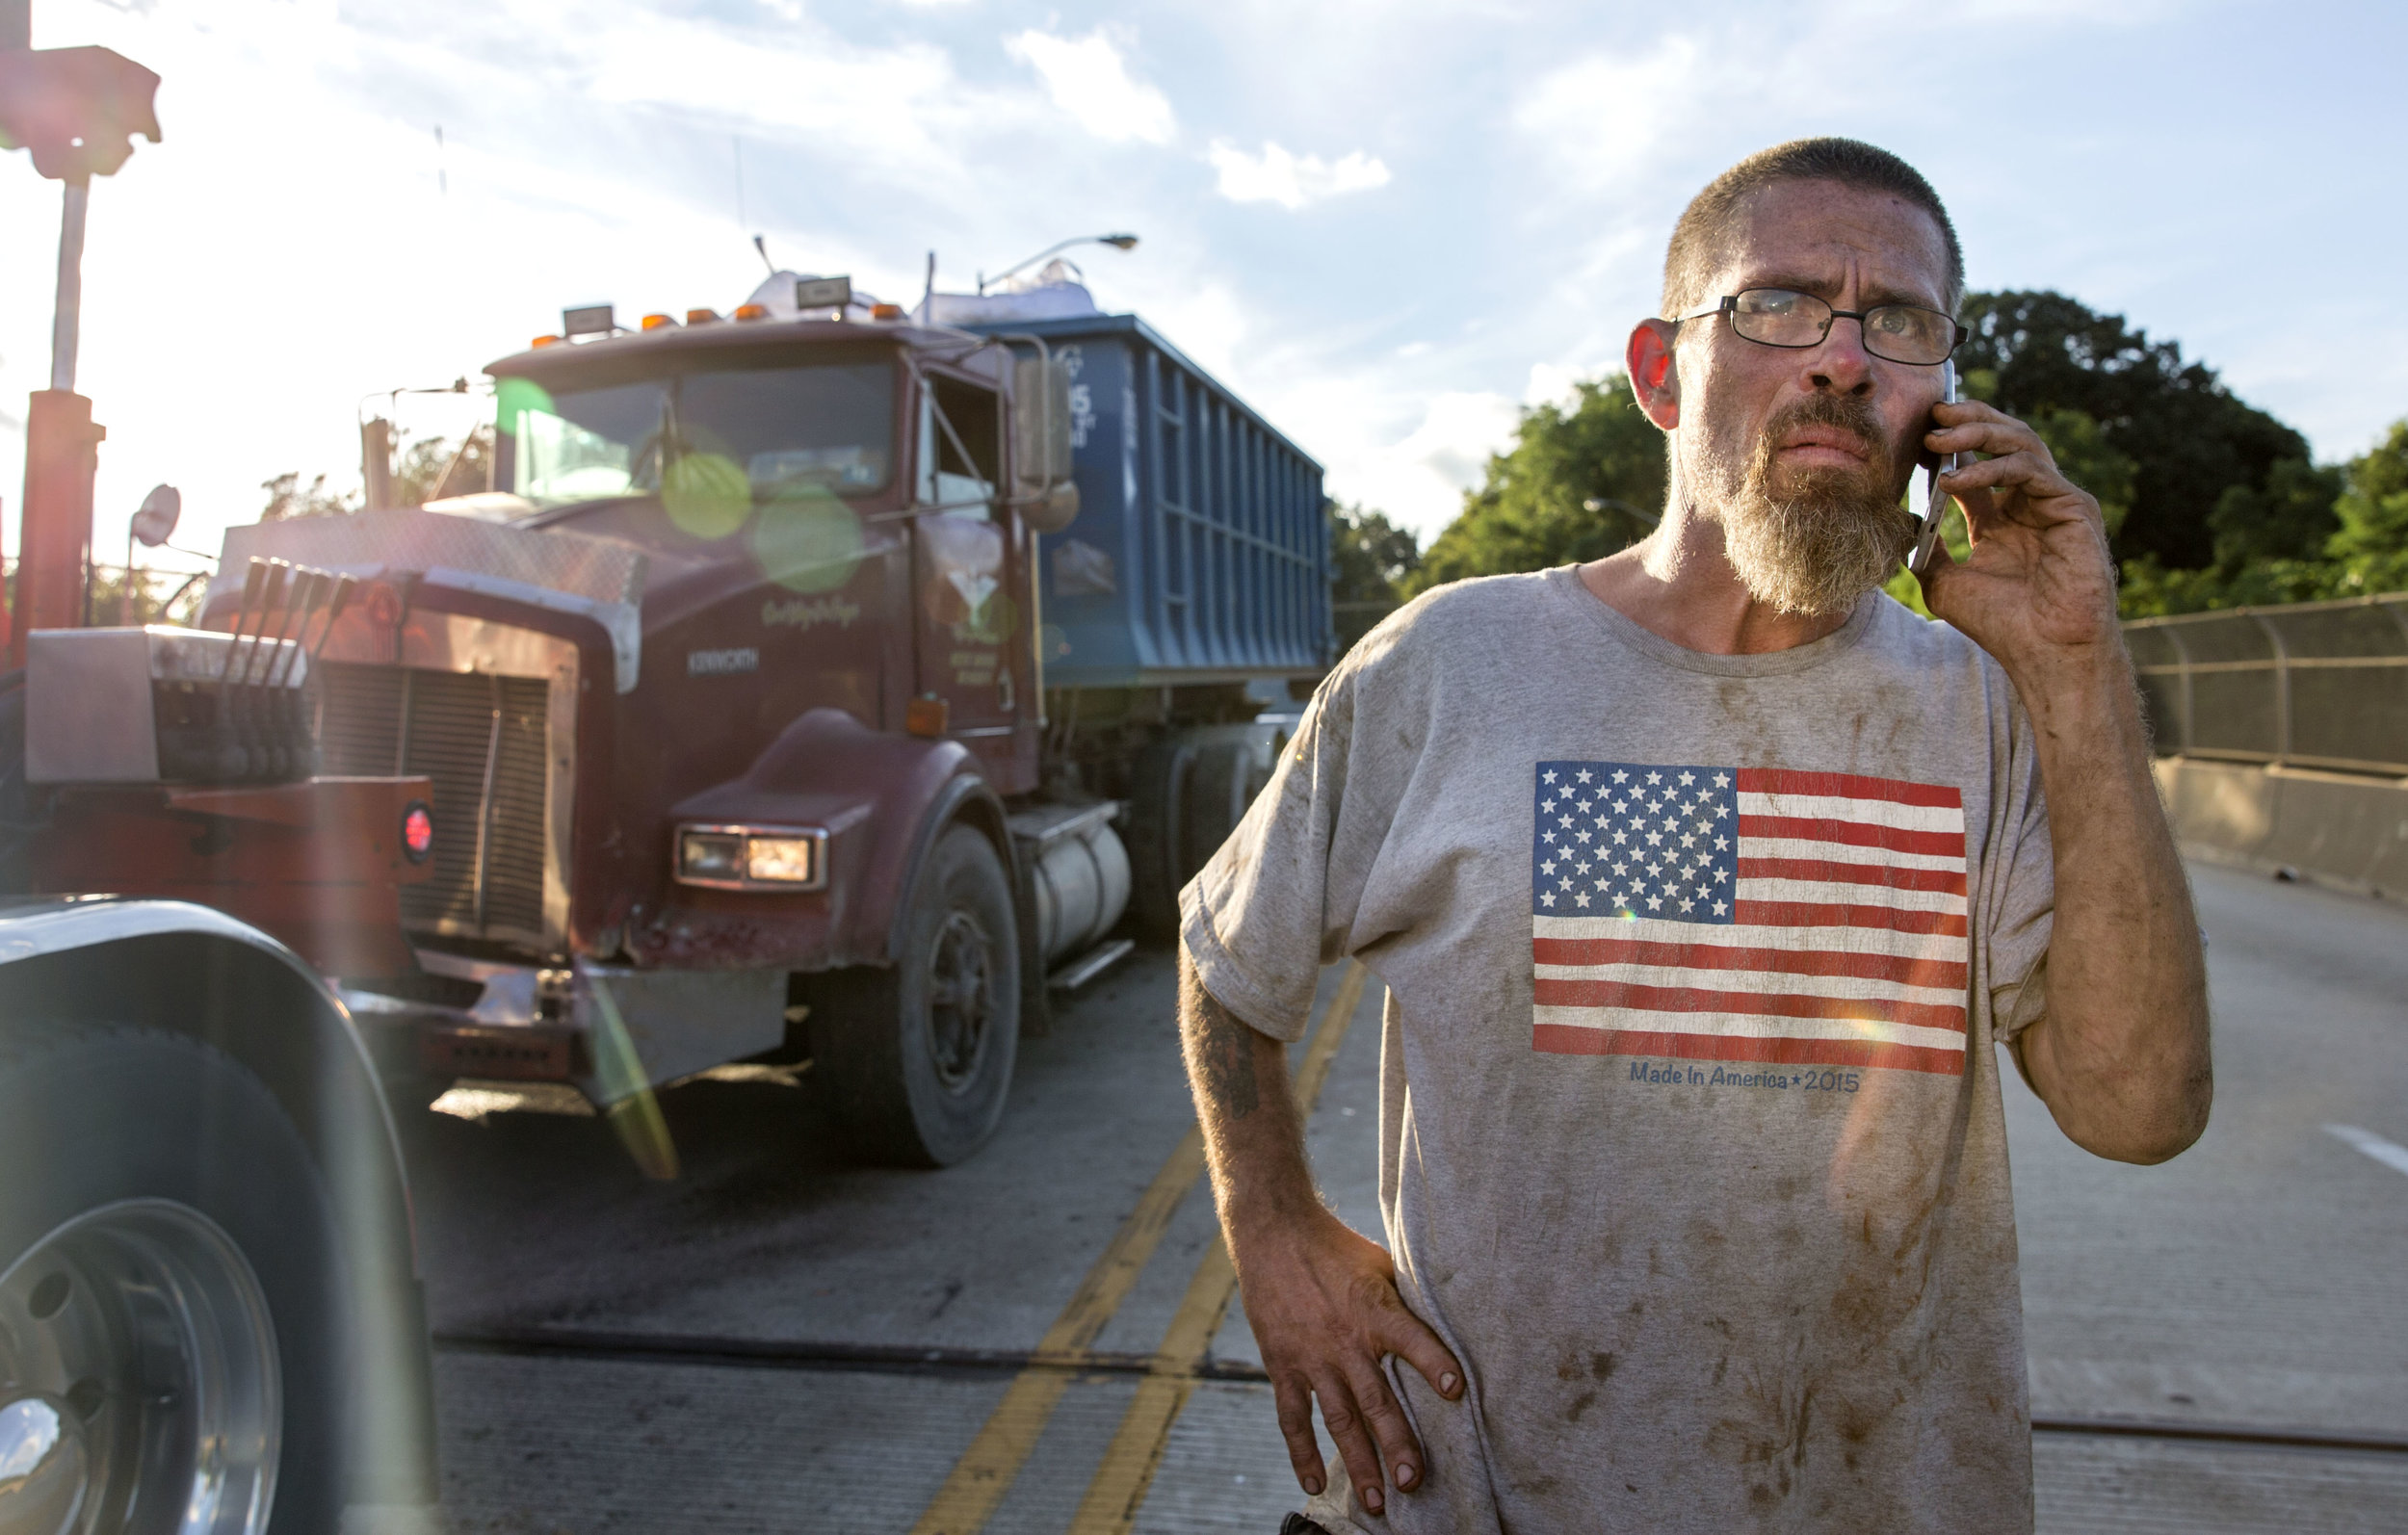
[918,1056]
[168,1292]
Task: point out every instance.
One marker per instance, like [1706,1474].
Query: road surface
[1036,1342]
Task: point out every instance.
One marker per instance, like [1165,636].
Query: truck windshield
[827,426]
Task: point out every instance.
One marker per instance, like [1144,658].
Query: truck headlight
[753,857]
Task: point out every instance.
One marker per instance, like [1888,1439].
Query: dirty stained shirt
[1690,1138]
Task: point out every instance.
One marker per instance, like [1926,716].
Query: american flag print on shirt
[1749,914]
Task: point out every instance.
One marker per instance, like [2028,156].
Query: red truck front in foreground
[813,682]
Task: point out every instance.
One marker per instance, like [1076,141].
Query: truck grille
[480,738]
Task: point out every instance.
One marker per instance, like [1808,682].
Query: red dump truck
[813,681]
[210,1314]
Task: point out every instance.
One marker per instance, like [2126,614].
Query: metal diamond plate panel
[411,538]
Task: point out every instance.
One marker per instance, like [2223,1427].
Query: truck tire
[918,1056]
[1231,768]
[171,1290]
[1157,823]
[1187,796]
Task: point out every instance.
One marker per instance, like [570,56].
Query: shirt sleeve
[2023,908]
[1277,901]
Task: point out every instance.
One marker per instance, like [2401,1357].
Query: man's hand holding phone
[2037,590]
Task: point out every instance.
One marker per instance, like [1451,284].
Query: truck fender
[965,798]
[188,969]
[883,798]
[972,800]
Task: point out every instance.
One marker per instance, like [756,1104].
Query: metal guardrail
[2309,685]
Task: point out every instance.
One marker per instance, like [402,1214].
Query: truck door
[966,585]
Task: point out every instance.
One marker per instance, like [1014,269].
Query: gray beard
[1827,537]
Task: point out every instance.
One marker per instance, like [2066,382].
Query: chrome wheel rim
[961,1000]
[138,1380]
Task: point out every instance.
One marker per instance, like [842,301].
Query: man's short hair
[1711,221]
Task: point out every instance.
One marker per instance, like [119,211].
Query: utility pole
[77,110]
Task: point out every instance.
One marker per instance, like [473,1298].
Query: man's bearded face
[1809,539]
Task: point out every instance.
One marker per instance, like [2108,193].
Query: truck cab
[733,696]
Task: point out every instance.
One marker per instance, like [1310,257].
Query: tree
[286,500]
[432,468]
[2269,545]
[425,470]
[146,596]
[2371,547]
[2188,438]
[1578,482]
[1371,559]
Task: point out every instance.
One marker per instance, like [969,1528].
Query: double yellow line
[986,1469]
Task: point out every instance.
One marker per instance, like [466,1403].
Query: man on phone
[1704,878]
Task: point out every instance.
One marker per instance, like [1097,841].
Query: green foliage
[156,596]
[432,468]
[2150,590]
[2210,502]
[1577,483]
[2188,438]
[2290,517]
[2308,533]
[1371,559]
[2371,546]
[287,499]
[425,470]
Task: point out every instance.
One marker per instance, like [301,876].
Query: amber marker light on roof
[656,322]
[886,311]
[545,341]
[702,317]
[753,311]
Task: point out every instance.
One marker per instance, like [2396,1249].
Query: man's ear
[1653,379]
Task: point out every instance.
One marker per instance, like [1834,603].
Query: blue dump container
[1200,552]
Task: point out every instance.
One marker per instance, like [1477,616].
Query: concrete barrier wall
[2337,829]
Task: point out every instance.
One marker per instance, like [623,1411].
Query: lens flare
[630,1106]
[707,494]
[807,541]
[515,397]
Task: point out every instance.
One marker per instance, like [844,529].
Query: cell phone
[1923,500]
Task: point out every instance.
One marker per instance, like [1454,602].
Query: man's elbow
[2157,1128]
[2142,1110]
[2142,1148]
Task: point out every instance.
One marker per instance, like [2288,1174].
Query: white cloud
[286,251]
[1552,384]
[1604,116]
[1420,479]
[1089,80]
[1291,180]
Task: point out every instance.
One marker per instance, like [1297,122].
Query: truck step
[1090,965]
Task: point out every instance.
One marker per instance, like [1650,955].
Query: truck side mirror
[1048,502]
[154,522]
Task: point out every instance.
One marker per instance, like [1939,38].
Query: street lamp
[1121,242]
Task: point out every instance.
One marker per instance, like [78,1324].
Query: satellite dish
[155,522]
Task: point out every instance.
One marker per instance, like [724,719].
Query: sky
[1388,227]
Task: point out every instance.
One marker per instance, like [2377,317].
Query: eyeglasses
[1776,317]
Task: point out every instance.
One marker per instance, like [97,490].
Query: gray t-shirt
[1690,1139]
